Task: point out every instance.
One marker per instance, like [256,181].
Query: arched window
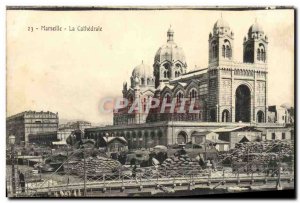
[166,70]
[193,94]
[144,103]
[227,49]
[228,52]
[179,96]
[168,97]
[165,74]
[182,137]
[214,48]
[260,117]
[142,81]
[261,53]
[248,55]
[225,116]
[258,55]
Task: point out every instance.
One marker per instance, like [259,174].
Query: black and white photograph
[153,102]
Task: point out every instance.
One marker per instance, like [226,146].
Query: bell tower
[219,81]
[221,42]
[256,45]
[169,61]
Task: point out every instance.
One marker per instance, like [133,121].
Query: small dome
[221,23]
[169,51]
[221,27]
[142,70]
[255,28]
[255,31]
[142,75]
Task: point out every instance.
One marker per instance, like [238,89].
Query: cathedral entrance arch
[260,117]
[243,104]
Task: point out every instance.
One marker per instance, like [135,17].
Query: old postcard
[149,101]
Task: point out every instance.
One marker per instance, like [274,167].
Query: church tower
[220,42]
[219,102]
[256,45]
[256,54]
[169,61]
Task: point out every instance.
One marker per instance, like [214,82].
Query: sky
[71,72]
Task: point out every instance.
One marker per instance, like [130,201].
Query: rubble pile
[95,166]
[181,164]
[260,152]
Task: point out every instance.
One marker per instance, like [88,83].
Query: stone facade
[65,130]
[31,122]
[43,138]
[225,91]
[148,135]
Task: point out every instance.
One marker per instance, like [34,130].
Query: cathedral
[227,94]
[225,91]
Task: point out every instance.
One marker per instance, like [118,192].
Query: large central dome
[170,51]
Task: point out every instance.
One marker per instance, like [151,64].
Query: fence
[151,177]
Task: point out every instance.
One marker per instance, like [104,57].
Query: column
[232,97]
[145,139]
[156,138]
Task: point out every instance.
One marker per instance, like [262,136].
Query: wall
[278,134]
[236,137]
[31,122]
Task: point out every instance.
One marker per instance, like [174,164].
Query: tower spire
[170,34]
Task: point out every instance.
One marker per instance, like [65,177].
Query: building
[43,138]
[65,130]
[279,114]
[234,135]
[30,122]
[113,144]
[277,132]
[81,125]
[227,93]
[64,133]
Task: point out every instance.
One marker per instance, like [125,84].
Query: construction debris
[257,156]
[95,166]
[181,164]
